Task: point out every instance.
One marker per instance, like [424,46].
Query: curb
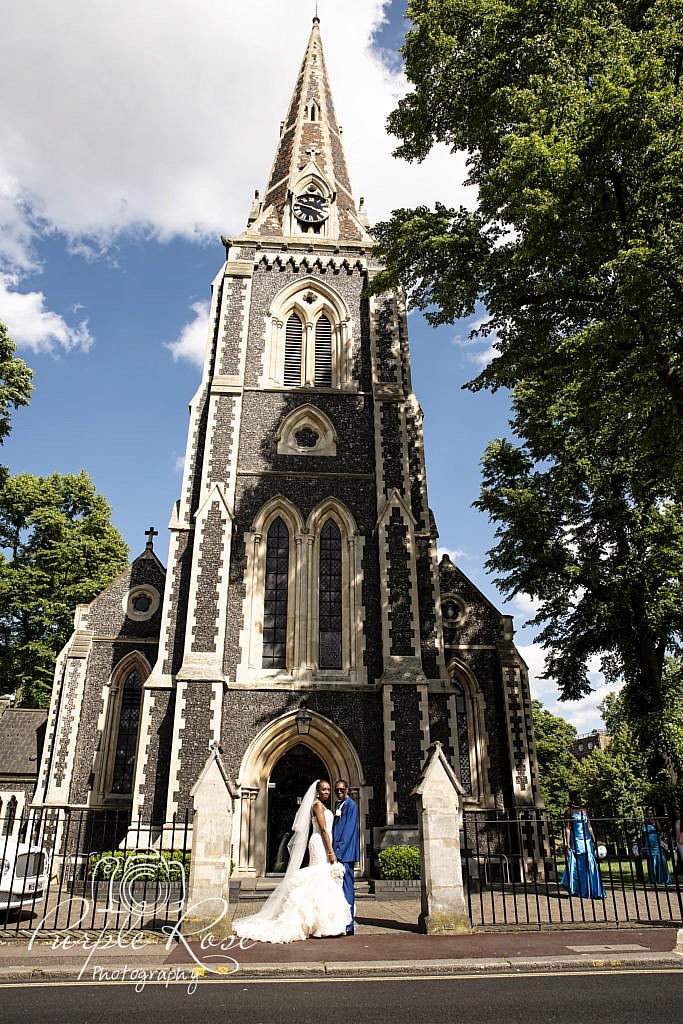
[354,968]
[491,965]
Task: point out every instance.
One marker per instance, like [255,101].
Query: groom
[345,841]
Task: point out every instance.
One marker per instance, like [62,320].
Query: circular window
[140,603]
[453,611]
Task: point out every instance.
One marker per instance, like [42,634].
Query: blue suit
[346,846]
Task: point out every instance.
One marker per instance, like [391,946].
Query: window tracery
[302,609]
[276,596]
[468,730]
[309,340]
[123,771]
[330,597]
[306,431]
[114,768]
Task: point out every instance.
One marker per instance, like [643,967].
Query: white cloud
[16,228]
[32,326]
[455,554]
[476,354]
[584,713]
[163,117]
[523,605]
[191,342]
[485,357]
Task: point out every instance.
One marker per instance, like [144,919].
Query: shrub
[149,865]
[399,862]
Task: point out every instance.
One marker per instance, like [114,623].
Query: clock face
[310,209]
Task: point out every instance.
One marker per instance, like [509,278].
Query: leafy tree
[59,550]
[624,740]
[559,769]
[627,742]
[571,114]
[15,382]
[672,721]
[604,561]
[611,787]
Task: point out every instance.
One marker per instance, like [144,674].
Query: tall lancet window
[330,653]
[127,737]
[275,597]
[293,351]
[323,353]
[10,816]
[463,737]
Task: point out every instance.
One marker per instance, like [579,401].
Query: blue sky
[134,135]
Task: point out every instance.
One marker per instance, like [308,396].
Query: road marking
[236,980]
[607,948]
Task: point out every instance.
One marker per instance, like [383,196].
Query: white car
[23,874]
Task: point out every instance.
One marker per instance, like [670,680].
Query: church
[303,626]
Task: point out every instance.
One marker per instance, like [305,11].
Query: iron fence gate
[63,869]
[514,862]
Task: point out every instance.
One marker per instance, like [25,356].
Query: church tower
[304,629]
[302,564]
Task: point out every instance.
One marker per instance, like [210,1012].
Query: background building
[597,739]
[22,734]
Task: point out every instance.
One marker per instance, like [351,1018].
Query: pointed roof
[310,143]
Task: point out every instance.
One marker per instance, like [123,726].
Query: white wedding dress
[308,901]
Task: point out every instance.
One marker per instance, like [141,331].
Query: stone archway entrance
[326,742]
[290,778]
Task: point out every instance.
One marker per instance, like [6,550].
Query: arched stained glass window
[463,737]
[330,589]
[127,736]
[293,351]
[323,353]
[276,595]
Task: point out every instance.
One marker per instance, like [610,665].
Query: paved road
[598,997]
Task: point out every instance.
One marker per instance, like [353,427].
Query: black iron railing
[64,869]
[514,864]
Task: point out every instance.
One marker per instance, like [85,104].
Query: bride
[308,901]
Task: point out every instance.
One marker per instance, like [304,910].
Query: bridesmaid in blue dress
[581,874]
[657,866]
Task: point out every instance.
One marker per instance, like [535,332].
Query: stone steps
[255,890]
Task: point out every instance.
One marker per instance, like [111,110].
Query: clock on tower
[311,208]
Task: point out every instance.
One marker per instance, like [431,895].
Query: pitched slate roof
[22,731]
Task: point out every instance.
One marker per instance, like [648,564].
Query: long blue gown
[657,866]
[581,875]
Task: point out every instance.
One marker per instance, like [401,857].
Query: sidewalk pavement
[386,943]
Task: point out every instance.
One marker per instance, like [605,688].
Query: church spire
[309,189]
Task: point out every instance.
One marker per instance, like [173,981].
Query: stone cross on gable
[313,152]
[150,535]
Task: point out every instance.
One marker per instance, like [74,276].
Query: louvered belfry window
[293,351]
[323,353]
[275,598]
[127,736]
[330,654]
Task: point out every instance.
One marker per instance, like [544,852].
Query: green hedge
[399,862]
[110,864]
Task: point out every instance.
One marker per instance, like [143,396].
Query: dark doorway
[289,780]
